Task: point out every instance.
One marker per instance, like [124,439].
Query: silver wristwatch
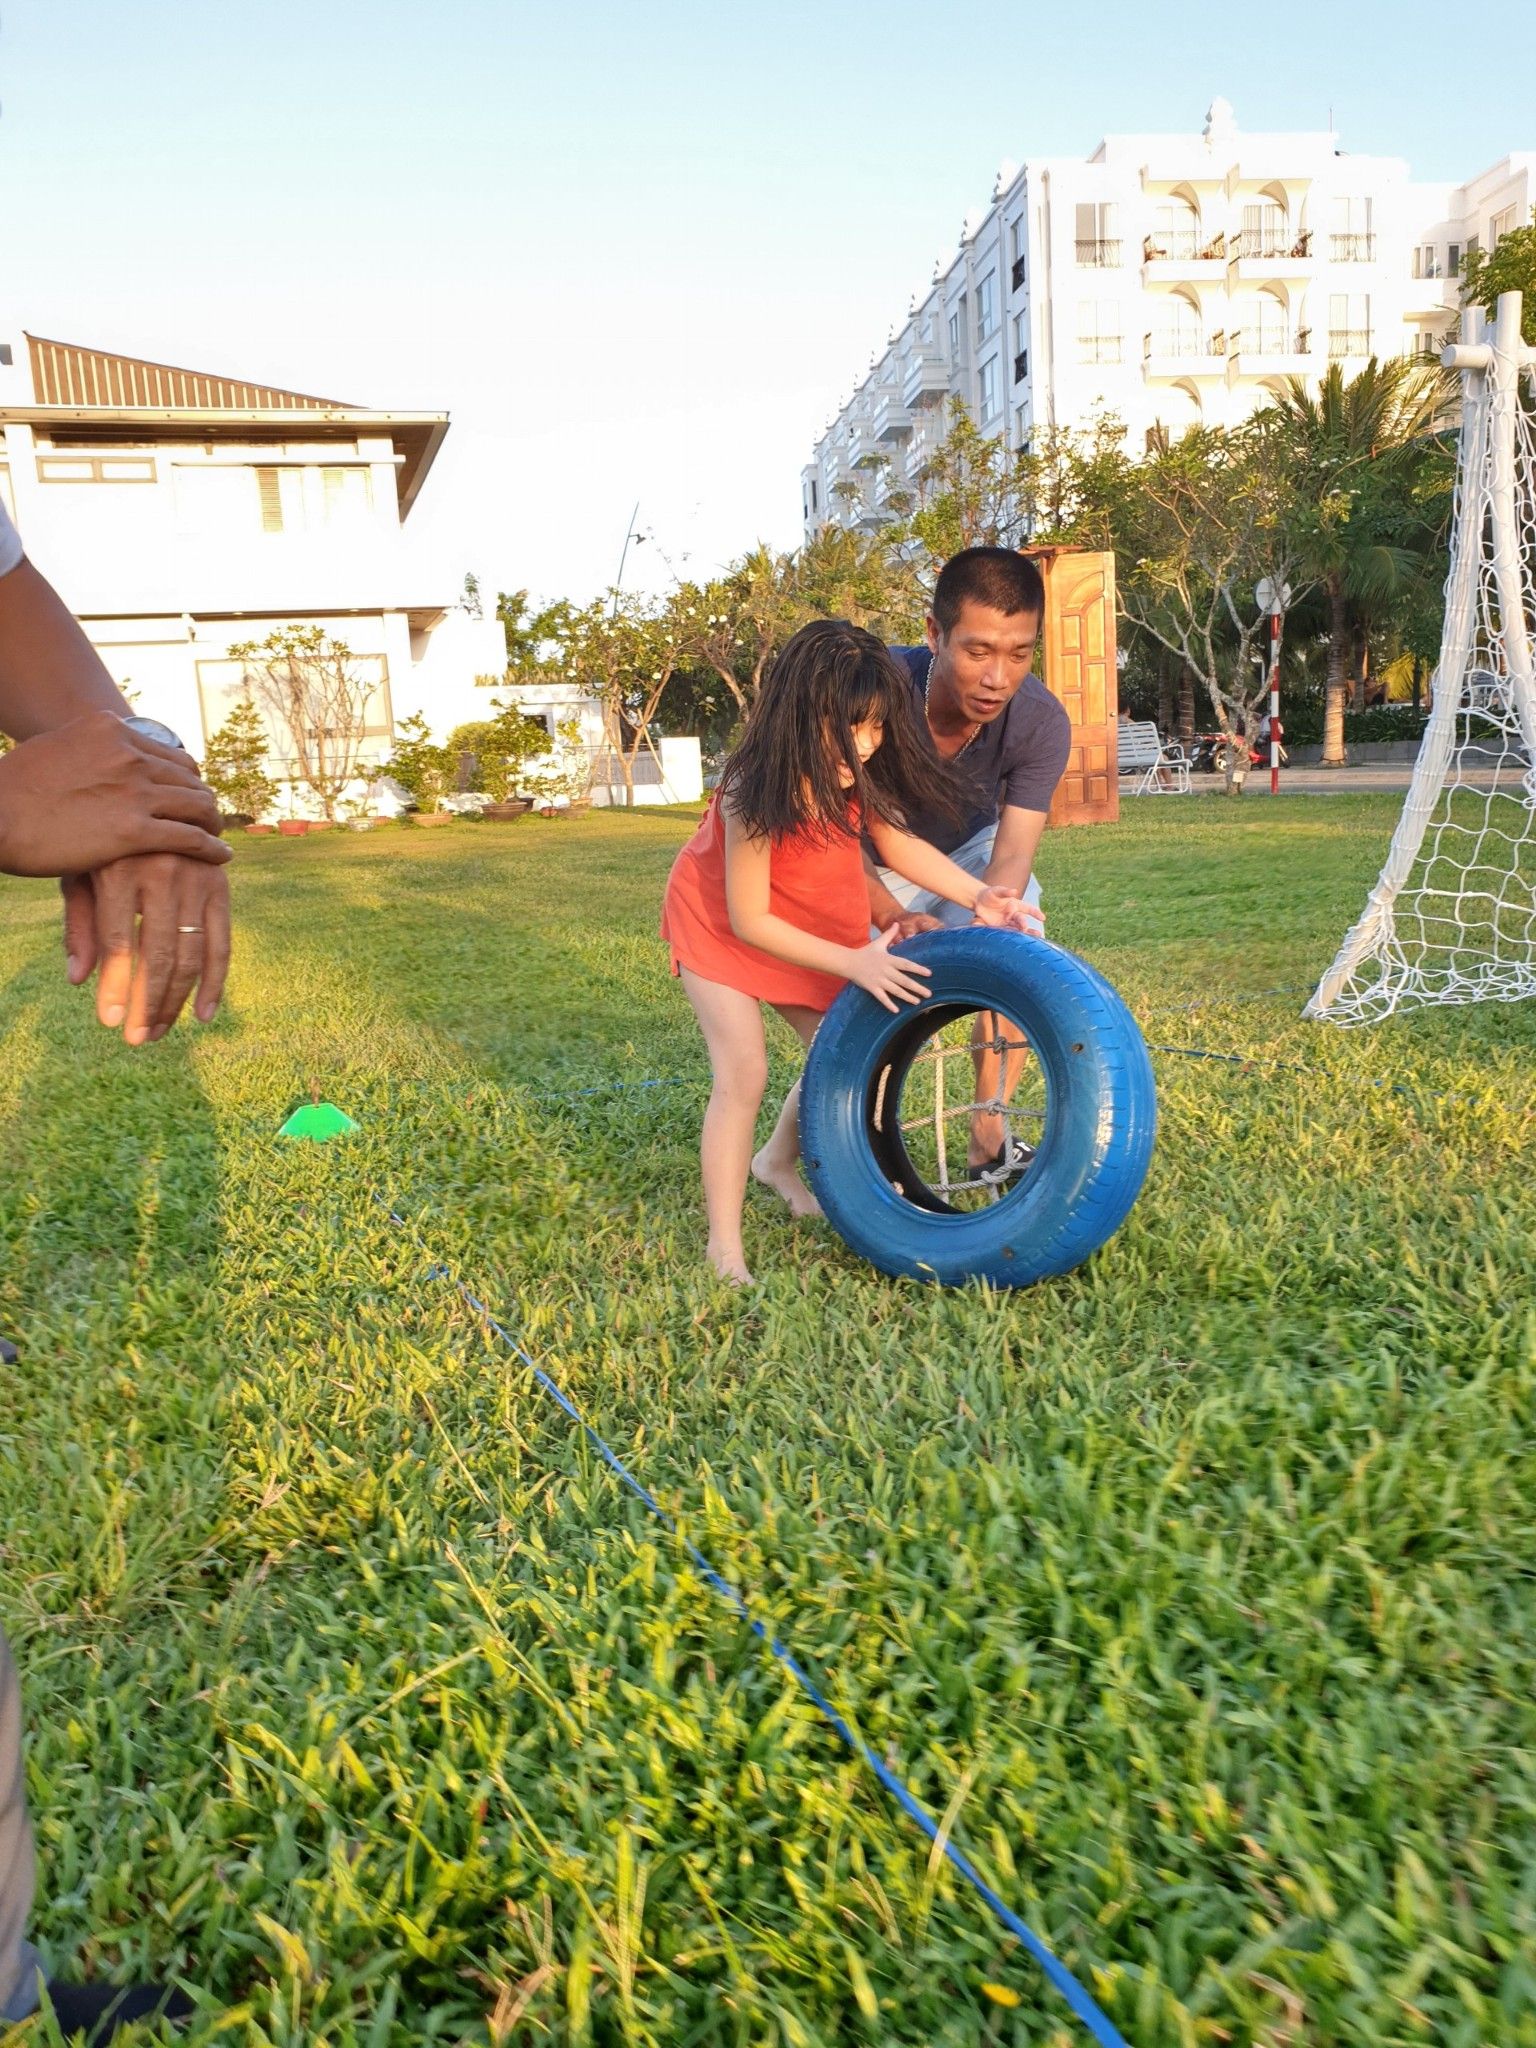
[152,729]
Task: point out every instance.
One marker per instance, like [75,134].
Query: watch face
[152,729]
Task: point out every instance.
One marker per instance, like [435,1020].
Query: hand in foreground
[93,791]
[888,980]
[1007,908]
[157,926]
[911,922]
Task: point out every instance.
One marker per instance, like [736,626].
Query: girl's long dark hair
[829,678]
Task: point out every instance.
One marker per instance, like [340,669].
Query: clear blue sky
[635,251]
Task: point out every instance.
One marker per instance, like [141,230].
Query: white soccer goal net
[1452,918]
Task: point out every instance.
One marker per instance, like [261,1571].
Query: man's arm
[1014,849]
[884,908]
[50,674]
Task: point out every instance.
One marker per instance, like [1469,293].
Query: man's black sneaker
[1014,1159]
[99,2010]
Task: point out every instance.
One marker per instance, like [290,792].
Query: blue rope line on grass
[1060,1977]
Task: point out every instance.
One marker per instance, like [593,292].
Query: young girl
[768,902]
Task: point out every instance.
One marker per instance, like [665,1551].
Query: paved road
[1382,777]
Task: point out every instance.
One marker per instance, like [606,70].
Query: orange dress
[815,880]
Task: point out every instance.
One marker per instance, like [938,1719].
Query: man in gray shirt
[1010,740]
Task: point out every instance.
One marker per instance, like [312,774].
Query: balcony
[862,447]
[926,381]
[1351,248]
[1165,357]
[892,419]
[1101,255]
[1259,253]
[889,491]
[1268,352]
[1183,257]
[1344,342]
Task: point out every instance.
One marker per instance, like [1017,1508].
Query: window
[1351,240]
[1018,244]
[1426,260]
[1349,325]
[1267,233]
[1097,246]
[1500,225]
[989,400]
[1021,428]
[1098,331]
[815,502]
[280,492]
[100,469]
[222,684]
[1453,259]
[1021,366]
[1175,235]
[986,312]
[346,495]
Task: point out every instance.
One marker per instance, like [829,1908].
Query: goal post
[1452,918]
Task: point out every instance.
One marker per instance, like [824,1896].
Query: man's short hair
[999,578]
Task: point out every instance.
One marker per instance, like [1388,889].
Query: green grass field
[1196,1590]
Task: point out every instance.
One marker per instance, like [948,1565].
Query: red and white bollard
[1274,702]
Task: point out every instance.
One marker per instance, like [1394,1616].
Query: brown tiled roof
[65,374]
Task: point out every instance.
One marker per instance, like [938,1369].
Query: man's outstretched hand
[156,926]
[94,791]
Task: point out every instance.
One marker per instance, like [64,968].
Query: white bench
[1161,767]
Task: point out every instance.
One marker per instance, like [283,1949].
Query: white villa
[180,513]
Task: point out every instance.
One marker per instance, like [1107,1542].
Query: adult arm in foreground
[127,825]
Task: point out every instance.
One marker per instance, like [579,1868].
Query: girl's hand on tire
[891,982]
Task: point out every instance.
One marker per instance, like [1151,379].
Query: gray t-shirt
[1017,758]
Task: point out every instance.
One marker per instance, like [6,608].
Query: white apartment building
[180,513]
[1170,280]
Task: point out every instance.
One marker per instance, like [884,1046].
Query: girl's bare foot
[731,1266]
[785,1181]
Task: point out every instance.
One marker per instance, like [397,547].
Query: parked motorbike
[1212,750]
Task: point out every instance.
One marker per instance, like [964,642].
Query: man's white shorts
[974,856]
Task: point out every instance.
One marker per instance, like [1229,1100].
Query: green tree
[624,651]
[235,767]
[1509,266]
[423,769]
[1364,452]
[735,624]
[500,747]
[535,636]
[317,697]
[1195,527]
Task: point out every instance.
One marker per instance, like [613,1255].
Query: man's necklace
[973,732]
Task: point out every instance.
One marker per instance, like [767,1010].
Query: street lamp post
[639,541]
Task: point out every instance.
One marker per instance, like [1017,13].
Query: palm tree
[1362,448]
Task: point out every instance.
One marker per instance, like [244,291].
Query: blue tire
[1096,1141]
